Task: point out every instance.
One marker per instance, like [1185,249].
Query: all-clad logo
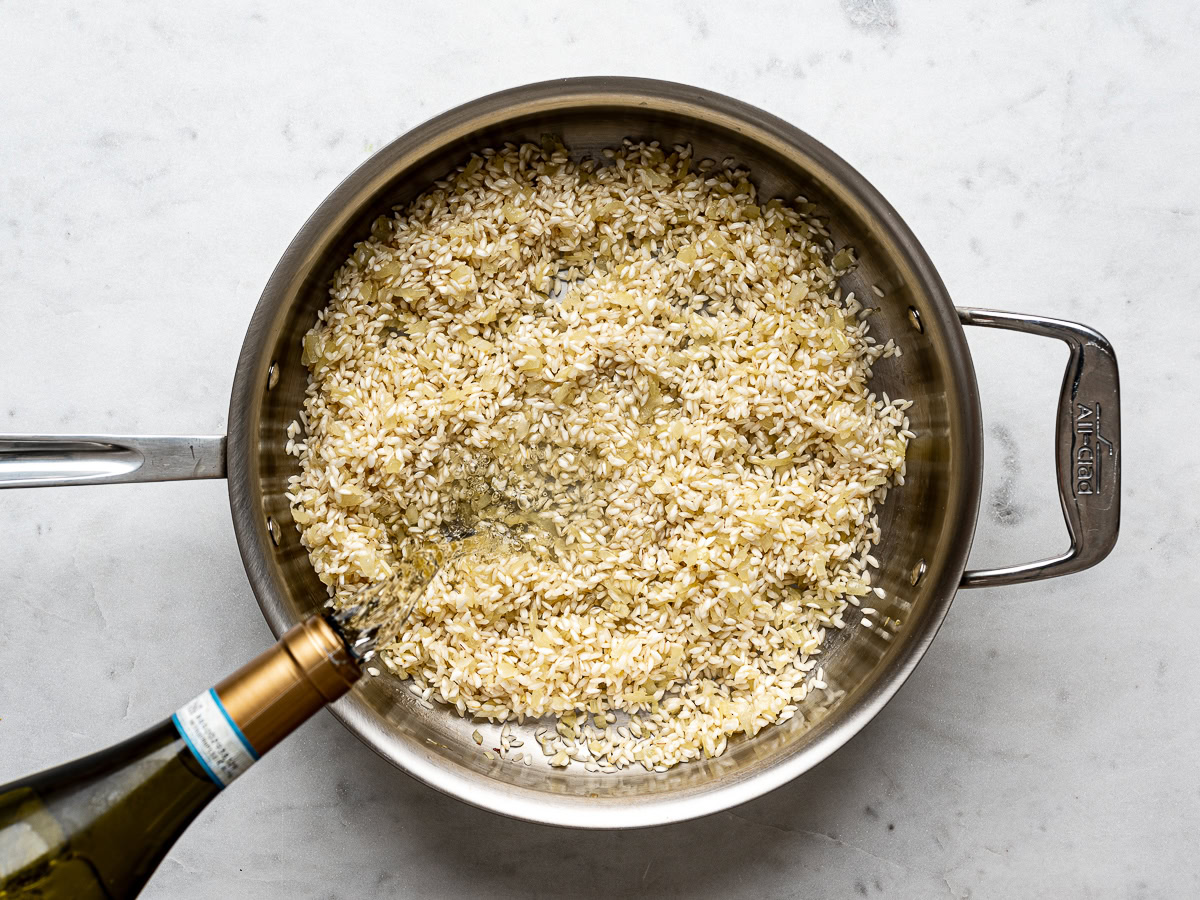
[1091,448]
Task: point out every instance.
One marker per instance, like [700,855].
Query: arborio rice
[641,390]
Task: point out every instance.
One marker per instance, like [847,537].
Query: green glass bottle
[99,826]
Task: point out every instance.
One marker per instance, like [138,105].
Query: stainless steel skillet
[927,524]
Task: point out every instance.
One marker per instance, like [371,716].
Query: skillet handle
[32,460]
[1088,452]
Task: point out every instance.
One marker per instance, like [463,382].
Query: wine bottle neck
[230,726]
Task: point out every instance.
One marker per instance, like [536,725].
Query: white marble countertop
[156,159]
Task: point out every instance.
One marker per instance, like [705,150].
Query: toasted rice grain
[639,387]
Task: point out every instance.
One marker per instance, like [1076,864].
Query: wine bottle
[96,828]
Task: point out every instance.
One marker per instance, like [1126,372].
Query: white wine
[96,828]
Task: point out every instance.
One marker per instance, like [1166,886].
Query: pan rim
[250,383]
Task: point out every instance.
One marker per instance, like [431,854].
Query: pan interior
[926,524]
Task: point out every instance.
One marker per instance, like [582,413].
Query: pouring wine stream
[376,615]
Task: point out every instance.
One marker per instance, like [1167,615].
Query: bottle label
[214,738]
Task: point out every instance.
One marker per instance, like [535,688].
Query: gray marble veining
[154,163]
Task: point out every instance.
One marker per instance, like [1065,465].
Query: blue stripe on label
[200,759]
[232,724]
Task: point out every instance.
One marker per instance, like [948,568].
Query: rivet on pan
[917,573]
[272,376]
[915,318]
[273,527]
